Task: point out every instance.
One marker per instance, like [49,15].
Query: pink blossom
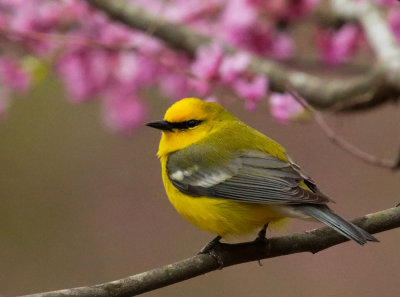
[282,46]
[126,67]
[201,87]
[241,26]
[73,10]
[287,10]
[137,62]
[36,16]
[232,66]
[239,13]
[98,64]
[112,33]
[191,11]
[207,61]
[73,71]
[338,46]
[123,112]
[386,2]
[175,85]
[12,75]
[3,22]
[257,39]
[86,72]
[252,91]
[146,44]
[147,71]
[284,107]
[174,76]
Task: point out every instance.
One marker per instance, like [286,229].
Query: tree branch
[378,33]
[231,254]
[321,93]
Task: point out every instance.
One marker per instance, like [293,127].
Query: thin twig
[230,254]
[340,141]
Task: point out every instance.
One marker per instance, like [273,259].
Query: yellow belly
[222,217]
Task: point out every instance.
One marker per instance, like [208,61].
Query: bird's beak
[161,125]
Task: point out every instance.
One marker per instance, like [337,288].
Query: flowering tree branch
[382,41]
[228,255]
[378,33]
[367,90]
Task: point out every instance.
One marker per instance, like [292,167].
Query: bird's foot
[209,249]
[261,238]
[211,245]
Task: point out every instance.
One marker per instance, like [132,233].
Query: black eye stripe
[186,124]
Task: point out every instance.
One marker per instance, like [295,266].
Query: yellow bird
[229,179]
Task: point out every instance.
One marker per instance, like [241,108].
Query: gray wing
[252,176]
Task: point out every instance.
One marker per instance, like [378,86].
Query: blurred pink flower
[386,2]
[200,86]
[338,46]
[207,61]
[287,10]
[126,67]
[191,11]
[240,25]
[175,85]
[123,112]
[118,75]
[113,33]
[282,46]
[284,107]
[12,75]
[239,14]
[252,91]
[98,64]
[147,72]
[33,17]
[232,66]
[174,76]
[146,44]
[73,70]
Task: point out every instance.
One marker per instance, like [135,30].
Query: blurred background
[81,205]
[82,201]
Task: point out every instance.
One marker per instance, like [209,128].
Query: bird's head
[188,121]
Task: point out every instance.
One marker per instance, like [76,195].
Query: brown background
[80,205]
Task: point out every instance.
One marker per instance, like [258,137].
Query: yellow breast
[222,217]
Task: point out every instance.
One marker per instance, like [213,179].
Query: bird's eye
[193,123]
[186,124]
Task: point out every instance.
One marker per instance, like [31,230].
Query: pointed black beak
[161,125]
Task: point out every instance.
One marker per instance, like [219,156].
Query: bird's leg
[209,249]
[261,238]
[261,234]
[209,246]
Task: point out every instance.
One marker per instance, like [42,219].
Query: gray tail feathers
[323,214]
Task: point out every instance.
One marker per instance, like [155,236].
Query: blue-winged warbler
[227,178]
